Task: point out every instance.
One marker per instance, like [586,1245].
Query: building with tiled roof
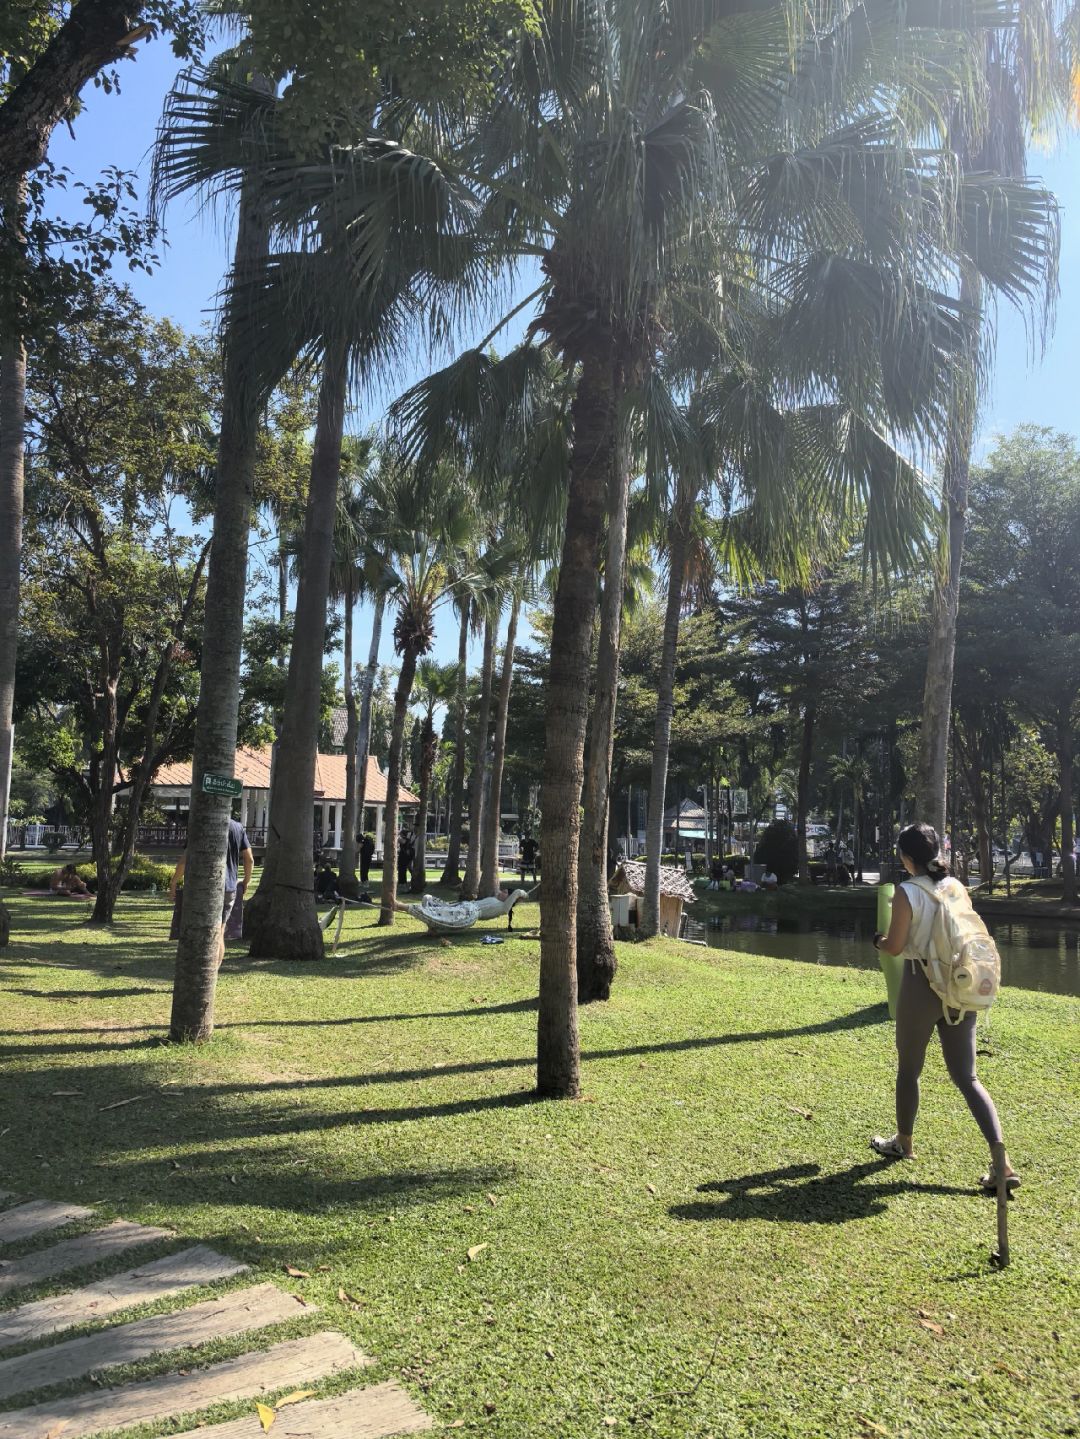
[172,791]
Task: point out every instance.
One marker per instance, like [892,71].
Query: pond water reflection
[1034,954]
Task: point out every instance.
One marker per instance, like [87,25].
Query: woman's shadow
[802,1194]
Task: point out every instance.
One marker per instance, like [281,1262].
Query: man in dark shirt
[237,852]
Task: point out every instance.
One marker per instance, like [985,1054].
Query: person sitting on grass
[67,881]
[769,880]
[326,884]
[919,1011]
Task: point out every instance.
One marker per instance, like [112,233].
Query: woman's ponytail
[921,844]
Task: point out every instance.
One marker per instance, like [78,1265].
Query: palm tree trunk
[12,452]
[198,949]
[347,858]
[678,546]
[941,652]
[595,416]
[596,962]
[806,754]
[489,878]
[367,690]
[1065,775]
[393,777]
[428,750]
[457,782]
[471,884]
[287,926]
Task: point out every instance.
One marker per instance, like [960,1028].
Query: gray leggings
[918,1011]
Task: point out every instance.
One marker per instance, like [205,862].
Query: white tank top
[923,910]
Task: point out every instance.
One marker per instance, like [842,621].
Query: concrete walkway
[111,1336]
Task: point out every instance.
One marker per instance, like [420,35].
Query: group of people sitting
[724,877]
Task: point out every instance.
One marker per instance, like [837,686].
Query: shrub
[13,875]
[778,849]
[144,874]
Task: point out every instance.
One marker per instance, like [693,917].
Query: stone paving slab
[156,1280]
[293,1364]
[36,1216]
[374,1413]
[77,1253]
[233,1313]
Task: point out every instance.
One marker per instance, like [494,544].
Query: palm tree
[347,584]
[655,157]
[1023,74]
[470,885]
[450,874]
[197,954]
[435,525]
[435,684]
[492,826]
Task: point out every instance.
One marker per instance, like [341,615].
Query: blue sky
[119,130]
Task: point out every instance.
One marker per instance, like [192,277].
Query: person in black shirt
[237,852]
[367,850]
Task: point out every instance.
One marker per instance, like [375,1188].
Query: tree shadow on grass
[803,1194]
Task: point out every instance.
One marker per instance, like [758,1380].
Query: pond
[1034,954]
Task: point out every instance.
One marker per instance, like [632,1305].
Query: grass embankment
[703,1246]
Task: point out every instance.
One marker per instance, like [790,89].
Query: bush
[144,874]
[13,875]
[778,849]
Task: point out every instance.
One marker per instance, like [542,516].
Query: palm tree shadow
[802,1194]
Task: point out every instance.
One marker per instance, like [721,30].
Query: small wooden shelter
[675,891]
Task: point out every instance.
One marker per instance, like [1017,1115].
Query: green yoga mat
[892,966]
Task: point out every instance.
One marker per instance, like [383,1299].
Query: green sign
[223,784]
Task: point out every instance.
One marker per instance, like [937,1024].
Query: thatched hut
[675,891]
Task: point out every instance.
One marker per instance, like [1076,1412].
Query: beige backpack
[963,967]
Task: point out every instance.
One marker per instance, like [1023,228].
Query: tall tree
[116,411]
[492,826]
[450,873]
[470,885]
[1021,72]
[434,686]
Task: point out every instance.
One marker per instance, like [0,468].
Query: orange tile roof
[253,767]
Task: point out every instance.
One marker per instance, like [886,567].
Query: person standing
[404,857]
[237,853]
[367,850]
[528,857]
[919,1011]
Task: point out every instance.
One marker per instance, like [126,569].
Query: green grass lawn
[703,1245]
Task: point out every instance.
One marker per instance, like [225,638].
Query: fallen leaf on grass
[802,1113]
[457,1424]
[297,1273]
[266,1415]
[65,1093]
[347,1298]
[119,1103]
[610,1420]
[871,1426]
[651,1188]
[1010,1371]
[549,1354]
[294,1397]
[475,1250]
[492,1200]
[57,1429]
[933,1328]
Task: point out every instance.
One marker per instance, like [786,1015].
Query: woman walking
[919,1011]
